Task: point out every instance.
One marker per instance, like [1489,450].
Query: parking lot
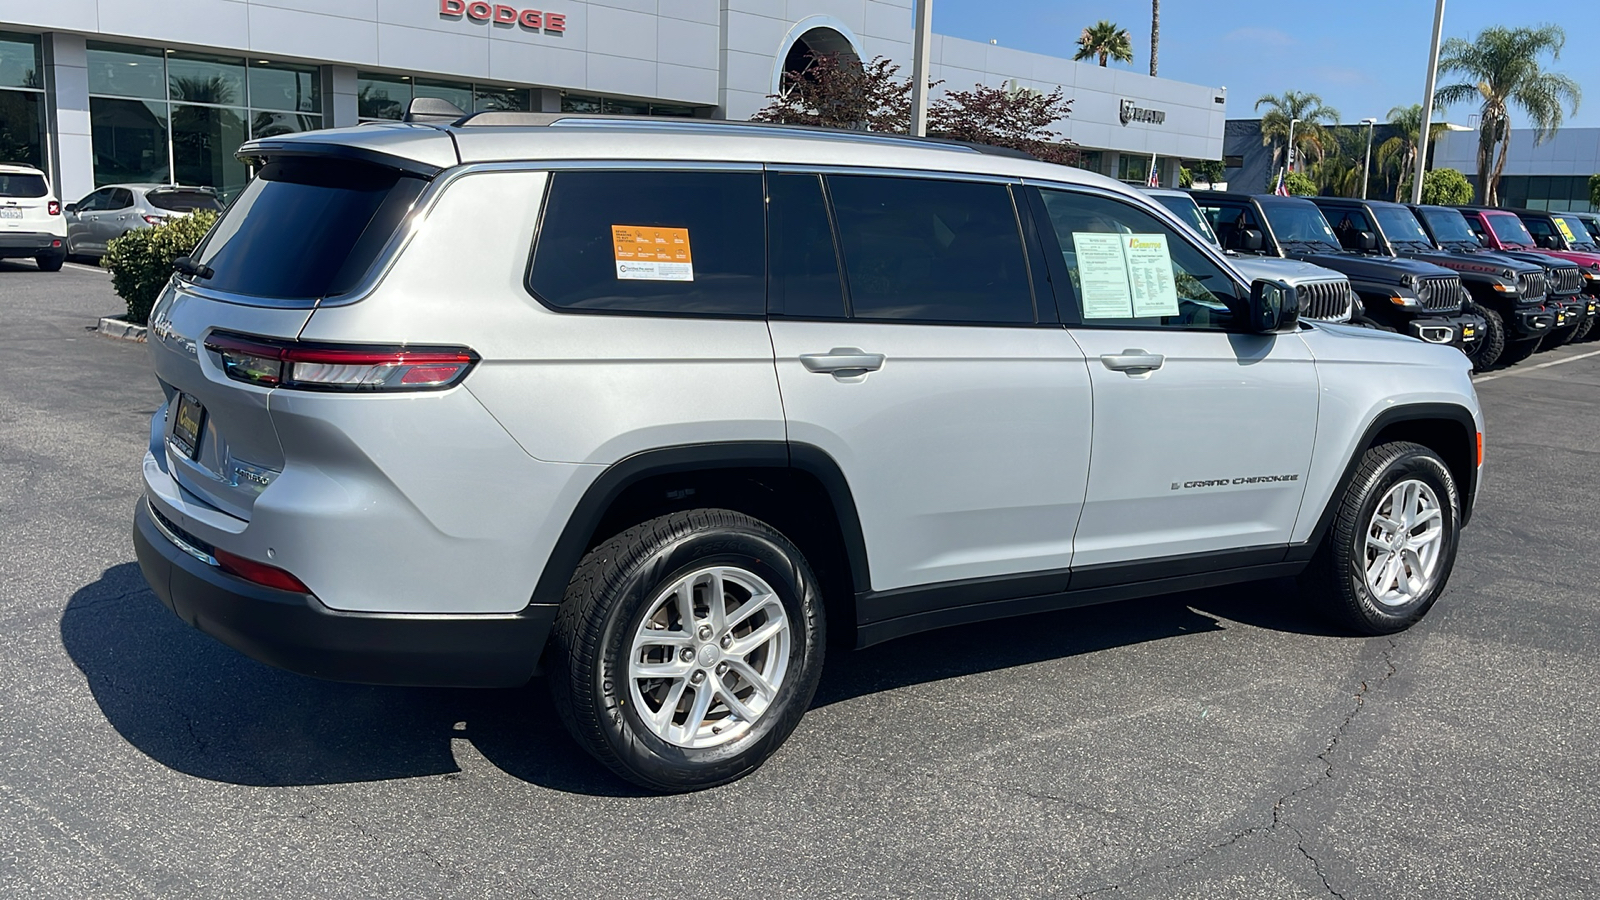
[1205,745]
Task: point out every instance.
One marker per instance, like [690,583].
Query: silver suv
[654,407]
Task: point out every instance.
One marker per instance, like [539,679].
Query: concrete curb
[121,330]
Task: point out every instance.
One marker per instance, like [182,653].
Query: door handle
[1134,362]
[842,362]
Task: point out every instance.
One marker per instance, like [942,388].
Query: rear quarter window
[183,201]
[682,243]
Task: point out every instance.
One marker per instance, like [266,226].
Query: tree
[1018,118]
[1308,132]
[1298,183]
[1155,34]
[837,92]
[1442,187]
[1104,40]
[1400,151]
[1209,170]
[1594,190]
[1502,70]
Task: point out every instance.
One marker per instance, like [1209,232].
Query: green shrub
[141,260]
[1594,190]
[1298,183]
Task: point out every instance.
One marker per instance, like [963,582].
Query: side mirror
[1483,240]
[71,207]
[1366,241]
[1546,241]
[1274,306]
[1250,240]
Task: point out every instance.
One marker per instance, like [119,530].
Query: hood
[1290,270]
[1578,257]
[1476,266]
[1377,269]
[1536,257]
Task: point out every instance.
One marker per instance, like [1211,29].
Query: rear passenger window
[931,251]
[803,264]
[663,242]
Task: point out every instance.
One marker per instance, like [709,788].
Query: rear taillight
[53,207]
[155,220]
[259,573]
[339,367]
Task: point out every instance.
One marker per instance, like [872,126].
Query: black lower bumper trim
[299,633]
[29,243]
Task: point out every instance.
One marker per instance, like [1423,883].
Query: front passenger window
[1129,270]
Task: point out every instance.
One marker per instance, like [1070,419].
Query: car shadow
[197,706]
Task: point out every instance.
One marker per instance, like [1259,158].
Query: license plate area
[10,213]
[188,419]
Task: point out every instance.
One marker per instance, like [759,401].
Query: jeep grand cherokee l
[657,406]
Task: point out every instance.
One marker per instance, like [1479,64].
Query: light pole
[919,68]
[1366,166]
[1427,107]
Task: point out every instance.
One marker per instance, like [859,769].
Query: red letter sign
[532,18]
[505,15]
[555,22]
[452,7]
[480,11]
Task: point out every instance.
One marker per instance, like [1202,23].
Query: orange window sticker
[650,253]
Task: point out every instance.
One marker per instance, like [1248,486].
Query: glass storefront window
[19,61]
[458,94]
[204,139]
[123,71]
[486,98]
[382,96]
[271,124]
[21,127]
[130,141]
[576,104]
[284,86]
[198,78]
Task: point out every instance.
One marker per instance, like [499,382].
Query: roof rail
[501,118]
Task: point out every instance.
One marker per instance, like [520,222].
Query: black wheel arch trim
[582,524]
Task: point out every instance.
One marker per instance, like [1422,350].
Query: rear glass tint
[28,186]
[183,201]
[663,242]
[306,228]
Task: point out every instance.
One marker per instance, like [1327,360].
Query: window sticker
[648,253]
[1565,231]
[1123,276]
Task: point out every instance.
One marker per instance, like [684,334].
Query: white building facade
[110,91]
[1550,174]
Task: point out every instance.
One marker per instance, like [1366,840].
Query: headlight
[1409,281]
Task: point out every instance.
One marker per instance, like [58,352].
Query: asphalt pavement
[1206,745]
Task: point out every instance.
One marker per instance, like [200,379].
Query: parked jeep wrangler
[654,407]
[1502,289]
[1408,296]
[1325,295]
[1504,230]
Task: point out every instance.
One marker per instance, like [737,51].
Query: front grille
[1440,292]
[1531,285]
[1325,301]
[1566,280]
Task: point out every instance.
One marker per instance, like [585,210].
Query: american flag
[1155,175]
[1282,190]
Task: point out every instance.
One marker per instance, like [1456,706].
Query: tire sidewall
[1422,465]
[636,745]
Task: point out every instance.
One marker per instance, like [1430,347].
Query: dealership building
[112,91]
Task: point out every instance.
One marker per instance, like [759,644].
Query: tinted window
[1347,224]
[1509,229]
[803,267]
[183,201]
[121,198]
[23,186]
[306,228]
[1228,221]
[1299,221]
[1400,225]
[674,242]
[932,251]
[1186,210]
[1448,226]
[1200,294]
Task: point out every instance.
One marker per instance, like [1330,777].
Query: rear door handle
[842,362]
[1134,362]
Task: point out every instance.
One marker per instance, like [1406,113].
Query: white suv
[31,223]
[654,405]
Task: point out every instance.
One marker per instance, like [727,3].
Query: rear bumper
[297,632]
[30,243]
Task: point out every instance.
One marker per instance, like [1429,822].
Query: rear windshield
[183,201]
[23,186]
[306,228]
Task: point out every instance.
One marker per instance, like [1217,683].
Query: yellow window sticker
[650,253]
[1565,231]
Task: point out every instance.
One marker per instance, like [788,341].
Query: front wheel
[1392,544]
[688,648]
[1486,350]
[1585,328]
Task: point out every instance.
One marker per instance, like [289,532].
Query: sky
[1363,57]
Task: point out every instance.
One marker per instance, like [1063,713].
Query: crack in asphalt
[1359,699]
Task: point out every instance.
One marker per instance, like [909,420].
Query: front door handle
[1134,362]
[842,362]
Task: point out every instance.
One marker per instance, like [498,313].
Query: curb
[121,330]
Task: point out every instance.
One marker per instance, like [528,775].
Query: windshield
[1188,212]
[1400,226]
[1572,229]
[1298,221]
[1449,226]
[1592,225]
[1510,230]
[22,185]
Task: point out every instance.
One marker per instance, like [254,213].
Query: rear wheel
[50,262]
[1517,351]
[1392,544]
[688,648]
[1486,351]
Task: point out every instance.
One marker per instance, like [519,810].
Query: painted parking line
[1523,370]
[86,268]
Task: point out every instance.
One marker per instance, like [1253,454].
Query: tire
[1337,580]
[51,262]
[1558,337]
[622,610]
[1517,351]
[1585,328]
[1492,342]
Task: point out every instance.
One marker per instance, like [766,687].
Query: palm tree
[1308,131]
[1105,40]
[1399,152]
[1502,68]
[1155,34]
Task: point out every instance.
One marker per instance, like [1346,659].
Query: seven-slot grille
[1531,285]
[1440,292]
[1325,300]
[1565,280]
